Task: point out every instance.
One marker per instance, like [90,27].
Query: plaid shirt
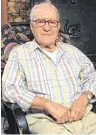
[29,72]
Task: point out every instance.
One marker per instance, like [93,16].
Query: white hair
[32,13]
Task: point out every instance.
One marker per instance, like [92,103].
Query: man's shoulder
[22,47]
[68,47]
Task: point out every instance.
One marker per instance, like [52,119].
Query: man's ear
[59,26]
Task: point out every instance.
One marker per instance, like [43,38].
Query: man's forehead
[46,15]
[48,12]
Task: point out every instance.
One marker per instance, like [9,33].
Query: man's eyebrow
[46,19]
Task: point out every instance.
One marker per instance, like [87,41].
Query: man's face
[45,35]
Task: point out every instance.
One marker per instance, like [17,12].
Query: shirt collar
[34,45]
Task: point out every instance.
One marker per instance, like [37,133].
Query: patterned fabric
[30,72]
[12,36]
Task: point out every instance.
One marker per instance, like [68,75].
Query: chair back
[13,34]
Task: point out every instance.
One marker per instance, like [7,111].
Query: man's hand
[78,108]
[60,112]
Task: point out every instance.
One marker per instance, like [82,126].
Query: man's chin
[47,44]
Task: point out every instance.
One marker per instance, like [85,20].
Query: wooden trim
[4,12]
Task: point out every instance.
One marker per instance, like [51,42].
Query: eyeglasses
[42,22]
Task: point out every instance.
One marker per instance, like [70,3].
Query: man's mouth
[47,34]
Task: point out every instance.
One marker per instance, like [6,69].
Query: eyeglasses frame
[46,21]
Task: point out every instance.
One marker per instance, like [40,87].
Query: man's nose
[46,27]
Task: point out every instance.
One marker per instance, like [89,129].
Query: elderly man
[52,81]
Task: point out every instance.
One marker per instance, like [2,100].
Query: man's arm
[14,87]
[88,79]
[78,108]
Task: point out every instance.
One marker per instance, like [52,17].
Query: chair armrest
[16,119]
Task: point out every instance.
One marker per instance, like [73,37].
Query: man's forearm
[39,102]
